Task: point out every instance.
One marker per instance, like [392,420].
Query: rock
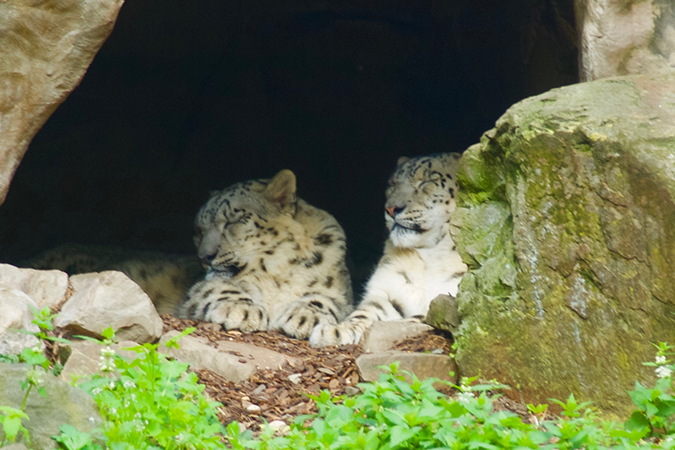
[15,447]
[234,361]
[63,404]
[84,357]
[16,315]
[625,37]
[443,313]
[423,365]
[45,287]
[110,298]
[566,224]
[46,49]
[382,336]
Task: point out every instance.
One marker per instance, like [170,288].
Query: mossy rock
[567,222]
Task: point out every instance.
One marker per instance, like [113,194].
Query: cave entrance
[188,97]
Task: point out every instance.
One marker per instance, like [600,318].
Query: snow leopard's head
[420,199]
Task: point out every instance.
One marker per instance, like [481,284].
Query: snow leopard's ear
[402,160]
[281,191]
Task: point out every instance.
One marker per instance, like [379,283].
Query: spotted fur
[166,278]
[273,261]
[420,260]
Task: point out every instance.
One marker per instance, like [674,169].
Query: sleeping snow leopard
[273,261]
[420,260]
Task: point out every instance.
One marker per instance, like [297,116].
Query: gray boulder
[234,361]
[382,336]
[568,227]
[63,404]
[46,49]
[110,298]
[423,365]
[16,315]
[45,287]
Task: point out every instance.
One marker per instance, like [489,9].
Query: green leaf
[401,434]
[71,438]
[637,421]
[108,333]
[11,426]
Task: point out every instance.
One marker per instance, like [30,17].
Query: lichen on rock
[567,222]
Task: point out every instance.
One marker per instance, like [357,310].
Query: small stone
[423,365]
[334,384]
[443,313]
[352,390]
[295,378]
[279,426]
[382,336]
[253,408]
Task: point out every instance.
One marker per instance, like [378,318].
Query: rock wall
[45,49]
[567,223]
[624,37]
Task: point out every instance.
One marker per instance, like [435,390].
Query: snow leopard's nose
[393,211]
[207,259]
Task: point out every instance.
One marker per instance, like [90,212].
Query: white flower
[465,397]
[107,352]
[112,384]
[35,376]
[663,371]
[129,384]
[106,365]
[660,360]
[179,437]
[96,391]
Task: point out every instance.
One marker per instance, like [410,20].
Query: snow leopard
[273,261]
[420,259]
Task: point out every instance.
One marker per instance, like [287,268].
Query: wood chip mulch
[282,394]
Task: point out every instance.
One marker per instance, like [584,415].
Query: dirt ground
[282,394]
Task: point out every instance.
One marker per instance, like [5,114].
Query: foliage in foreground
[395,414]
[151,402]
[154,403]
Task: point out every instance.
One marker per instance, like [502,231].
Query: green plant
[656,406]
[152,402]
[73,439]
[11,418]
[394,414]
[11,424]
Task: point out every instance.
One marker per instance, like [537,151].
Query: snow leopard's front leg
[377,305]
[224,302]
[302,316]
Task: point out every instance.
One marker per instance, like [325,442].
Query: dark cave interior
[188,97]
